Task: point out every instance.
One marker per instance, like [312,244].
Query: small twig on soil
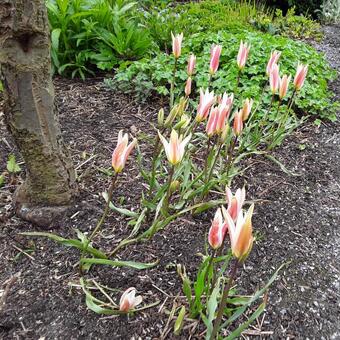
[162,291]
[22,251]
[10,283]
[85,162]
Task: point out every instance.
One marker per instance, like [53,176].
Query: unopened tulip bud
[212,122]
[236,202]
[183,123]
[191,65]
[217,231]
[129,300]
[171,117]
[187,89]
[225,133]
[238,123]
[160,117]
[177,44]
[300,76]
[215,58]
[242,55]
[284,83]
[274,78]
[182,105]
[247,105]
[122,151]
[274,58]
[206,100]
[174,186]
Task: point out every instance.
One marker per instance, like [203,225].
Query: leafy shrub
[194,17]
[87,35]
[330,11]
[156,72]
[290,25]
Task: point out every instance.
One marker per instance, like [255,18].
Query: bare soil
[297,220]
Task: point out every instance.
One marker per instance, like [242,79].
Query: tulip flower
[283,88]
[274,78]
[175,148]
[191,65]
[241,234]
[242,55]
[177,44]
[236,202]
[212,121]
[122,151]
[224,109]
[129,300]
[274,58]
[247,105]
[238,123]
[187,89]
[300,76]
[215,58]
[206,100]
[217,230]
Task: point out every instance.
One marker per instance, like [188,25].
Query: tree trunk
[30,113]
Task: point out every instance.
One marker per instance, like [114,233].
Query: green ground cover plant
[148,75]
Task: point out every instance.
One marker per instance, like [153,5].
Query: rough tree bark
[30,113]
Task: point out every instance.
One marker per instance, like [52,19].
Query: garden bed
[297,219]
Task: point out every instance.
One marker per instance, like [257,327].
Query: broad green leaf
[12,165]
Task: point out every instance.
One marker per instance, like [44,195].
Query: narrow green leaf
[67,242]
[130,264]
[179,321]
[237,332]
[122,211]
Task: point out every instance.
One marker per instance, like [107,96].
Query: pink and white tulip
[274,78]
[224,109]
[284,83]
[191,65]
[187,89]
[177,44]
[215,58]
[206,100]
[241,234]
[212,121]
[238,123]
[247,105]
[274,58]
[122,151]
[175,148]
[235,202]
[300,76]
[217,231]
[129,300]
[242,55]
